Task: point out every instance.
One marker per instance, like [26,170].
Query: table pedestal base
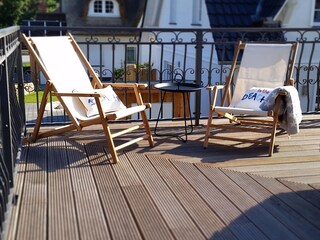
[186,132]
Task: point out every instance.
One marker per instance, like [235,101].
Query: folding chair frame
[102,118]
[246,123]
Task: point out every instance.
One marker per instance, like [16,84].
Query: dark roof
[241,14]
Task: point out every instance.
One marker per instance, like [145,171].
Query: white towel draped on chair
[291,114]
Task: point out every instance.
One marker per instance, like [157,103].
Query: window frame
[103,13]
[316,11]
[173,12]
[197,12]
[134,58]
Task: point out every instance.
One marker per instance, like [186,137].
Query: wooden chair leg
[210,117]
[37,126]
[144,115]
[110,142]
[208,130]
[273,137]
[147,128]
[274,126]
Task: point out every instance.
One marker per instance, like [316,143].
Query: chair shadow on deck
[190,151]
[61,152]
[224,151]
[173,148]
[310,124]
[218,152]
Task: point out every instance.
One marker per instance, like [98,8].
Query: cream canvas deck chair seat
[86,101]
[263,69]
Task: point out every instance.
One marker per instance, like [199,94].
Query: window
[103,8]
[97,7]
[109,7]
[316,16]
[168,70]
[131,56]
[173,12]
[196,15]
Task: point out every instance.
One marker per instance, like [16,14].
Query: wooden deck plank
[265,221]
[116,209]
[62,221]
[224,208]
[207,221]
[274,205]
[17,193]
[91,219]
[33,209]
[315,185]
[273,167]
[304,179]
[301,172]
[239,159]
[305,191]
[147,215]
[177,219]
[300,205]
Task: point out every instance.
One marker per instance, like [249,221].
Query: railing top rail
[132,29]
[9,30]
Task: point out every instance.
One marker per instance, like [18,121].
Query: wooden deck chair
[263,67]
[68,73]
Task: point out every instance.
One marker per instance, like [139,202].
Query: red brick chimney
[42,6]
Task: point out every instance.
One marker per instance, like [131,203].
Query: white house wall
[297,13]
[105,52]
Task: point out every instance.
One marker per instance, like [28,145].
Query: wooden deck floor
[67,189]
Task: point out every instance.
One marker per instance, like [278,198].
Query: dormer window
[103,8]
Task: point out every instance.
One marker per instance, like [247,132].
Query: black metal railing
[12,114]
[200,55]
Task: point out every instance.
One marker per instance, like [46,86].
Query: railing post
[6,119]
[20,79]
[198,68]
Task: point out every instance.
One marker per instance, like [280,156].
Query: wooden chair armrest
[127,85]
[291,81]
[215,87]
[78,94]
[214,90]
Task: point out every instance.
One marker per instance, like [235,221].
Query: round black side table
[184,89]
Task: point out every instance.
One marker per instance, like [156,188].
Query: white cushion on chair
[253,98]
[110,102]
